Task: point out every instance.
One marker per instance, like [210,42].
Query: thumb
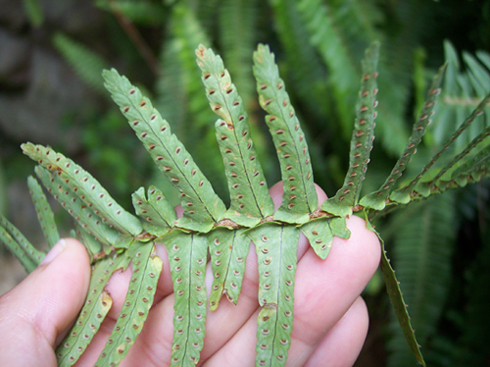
[36,314]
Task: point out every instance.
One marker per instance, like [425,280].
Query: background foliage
[52,53]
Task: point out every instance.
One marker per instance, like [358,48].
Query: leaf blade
[187,256]
[139,298]
[23,250]
[202,207]
[276,251]
[404,192]
[320,234]
[250,199]
[156,211]
[228,250]
[396,298]
[299,199]
[75,206]
[86,188]
[377,200]
[95,309]
[44,213]
[362,139]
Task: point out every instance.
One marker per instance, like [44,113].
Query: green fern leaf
[396,298]
[299,199]
[435,183]
[82,213]
[85,187]
[158,213]
[139,299]
[473,169]
[187,256]
[250,199]
[362,139]
[320,233]
[94,311]
[401,194]
[377,200]
[276,251]
[228,249]
[202,207]
[44,213]
[24,251]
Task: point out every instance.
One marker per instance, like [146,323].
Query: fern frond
[85,187]
[327,38]
[202,207]
[93,246]
[139,299]
[320,234]
[228,250]
[34,11]
[299,198]
[44,213]
[24,251]
[158,214]
[465,85]
[305,68]
[472,170]
[403,194]
[276,248]
[377,200]
[426,188]
[187,256]
[362,139]
[397,300]
[182,101]
[94,311]
[187,33]
[250,199]
[75,206]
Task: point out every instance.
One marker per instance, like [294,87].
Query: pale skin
[330,317]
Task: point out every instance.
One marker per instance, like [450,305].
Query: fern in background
[86,63]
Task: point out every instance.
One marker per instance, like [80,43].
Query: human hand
[330,318]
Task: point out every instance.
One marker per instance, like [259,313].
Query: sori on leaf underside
[116,238]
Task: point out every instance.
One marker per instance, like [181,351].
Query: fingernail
[60,245]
